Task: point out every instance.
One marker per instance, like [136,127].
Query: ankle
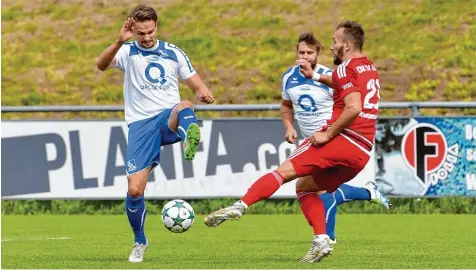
[241,203]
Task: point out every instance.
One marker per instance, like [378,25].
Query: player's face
[144,33]
[337,47]
[308,52]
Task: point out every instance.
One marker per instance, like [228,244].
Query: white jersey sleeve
[121,56]
[186,69]
[284,80]
[285,95]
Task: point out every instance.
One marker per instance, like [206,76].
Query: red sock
[314,211]
[263,188]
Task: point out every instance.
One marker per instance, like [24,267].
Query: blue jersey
[312,101]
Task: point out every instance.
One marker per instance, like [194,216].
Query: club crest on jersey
[426,152]
[162,53]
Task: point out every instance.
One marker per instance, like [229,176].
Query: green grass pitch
[256,241]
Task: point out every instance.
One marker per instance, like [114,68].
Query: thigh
[367,174]
[167,133]
[143,146]
[330,179]
[302,159]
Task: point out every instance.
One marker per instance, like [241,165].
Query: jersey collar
[147,49]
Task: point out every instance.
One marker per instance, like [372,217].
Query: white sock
[321,236]
[242,203]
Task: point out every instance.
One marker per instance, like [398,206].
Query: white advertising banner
[85,160]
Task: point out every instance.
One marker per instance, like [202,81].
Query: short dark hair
[309,39]
[142,13]
[353,32]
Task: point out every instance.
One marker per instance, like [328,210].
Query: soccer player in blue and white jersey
[311,103]
[154,112]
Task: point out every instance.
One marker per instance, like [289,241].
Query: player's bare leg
[268,183]
[135,209]
[183,121]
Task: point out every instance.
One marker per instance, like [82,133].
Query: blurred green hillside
[424,49]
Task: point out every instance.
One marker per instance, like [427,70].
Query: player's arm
[324,79]
[353,107]
[191,77]
[351,95]
[287,116]
[308,72]
[107,59]
[201,90]
[287,113]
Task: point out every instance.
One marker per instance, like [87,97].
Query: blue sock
[135,209]
[331,213]
[346,193]
[185,117]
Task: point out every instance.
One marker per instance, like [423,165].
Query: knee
[184,104]
[134,188]
[307,184]
[301,184]
[286,170]
[135,191]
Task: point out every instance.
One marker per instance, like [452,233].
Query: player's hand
[306,68]
[126,30]
[291,135]
[318,138]
[205,96]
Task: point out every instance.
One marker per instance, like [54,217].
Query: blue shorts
[145,139]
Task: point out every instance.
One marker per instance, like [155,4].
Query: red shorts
[333,163]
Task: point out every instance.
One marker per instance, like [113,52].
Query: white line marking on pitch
[36,239]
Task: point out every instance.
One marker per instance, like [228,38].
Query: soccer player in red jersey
[338,152]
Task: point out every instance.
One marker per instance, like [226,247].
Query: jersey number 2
[374,87]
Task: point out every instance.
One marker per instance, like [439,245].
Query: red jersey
[357,75]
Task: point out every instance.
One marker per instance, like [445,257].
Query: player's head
[145,25]
[308,48]
[349,37]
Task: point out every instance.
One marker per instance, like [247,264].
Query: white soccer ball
[177,216]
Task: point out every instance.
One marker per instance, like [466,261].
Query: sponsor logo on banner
[426,152]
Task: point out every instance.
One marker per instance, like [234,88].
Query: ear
[347,45]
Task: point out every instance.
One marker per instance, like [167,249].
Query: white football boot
[137,254]
[233,212]
[376,196]
[321,248]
